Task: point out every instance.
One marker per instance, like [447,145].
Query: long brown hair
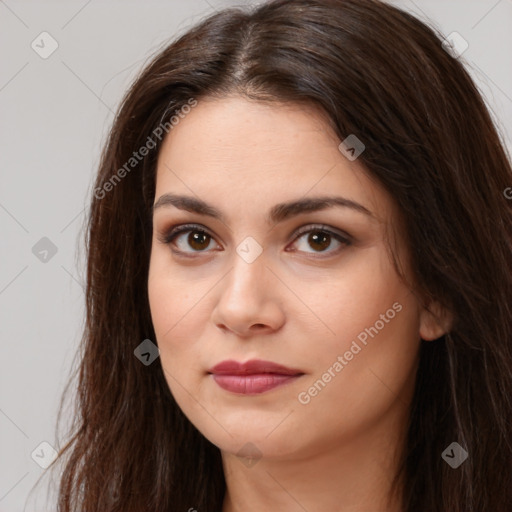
[381,74]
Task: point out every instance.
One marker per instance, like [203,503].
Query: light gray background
[55,114]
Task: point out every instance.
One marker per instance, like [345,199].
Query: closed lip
[252,367]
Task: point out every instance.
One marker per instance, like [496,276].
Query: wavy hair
[383,75]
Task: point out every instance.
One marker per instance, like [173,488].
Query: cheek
[369,365]
[172,310]
[372,323]
[352,300]
[175,335]
[171,295]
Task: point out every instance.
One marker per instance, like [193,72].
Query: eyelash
[174,231]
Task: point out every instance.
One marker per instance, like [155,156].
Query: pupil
[322,239]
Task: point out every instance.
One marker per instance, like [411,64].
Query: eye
[320,238]
[198,238]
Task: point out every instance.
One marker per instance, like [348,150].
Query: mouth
[252,377]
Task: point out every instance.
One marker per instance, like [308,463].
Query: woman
[302,206]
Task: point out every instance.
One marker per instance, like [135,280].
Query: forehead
[239,153]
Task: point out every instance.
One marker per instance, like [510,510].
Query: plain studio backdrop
[64,68]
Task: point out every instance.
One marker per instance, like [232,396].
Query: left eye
[319,238]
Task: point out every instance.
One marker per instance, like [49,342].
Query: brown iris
[197,239]
[319,238]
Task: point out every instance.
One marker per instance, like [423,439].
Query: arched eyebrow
[277,213]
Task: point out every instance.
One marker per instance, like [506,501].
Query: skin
[296,304]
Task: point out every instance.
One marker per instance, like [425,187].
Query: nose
[250,300]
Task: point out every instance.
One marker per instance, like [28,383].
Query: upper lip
[254,366]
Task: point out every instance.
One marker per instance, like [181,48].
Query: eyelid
[322,227]
[168,236]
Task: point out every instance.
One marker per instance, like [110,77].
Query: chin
[255,443]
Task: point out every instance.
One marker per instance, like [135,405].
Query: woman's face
[307,287]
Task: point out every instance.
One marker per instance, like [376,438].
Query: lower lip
[252,384]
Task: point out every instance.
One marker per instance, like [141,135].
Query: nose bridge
[247,300]
[247,275]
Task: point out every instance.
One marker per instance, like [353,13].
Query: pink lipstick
[252,377]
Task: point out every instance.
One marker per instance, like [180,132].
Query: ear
[435,321]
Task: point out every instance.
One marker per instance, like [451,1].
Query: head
[408,281]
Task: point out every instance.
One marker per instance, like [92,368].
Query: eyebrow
[277,213]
